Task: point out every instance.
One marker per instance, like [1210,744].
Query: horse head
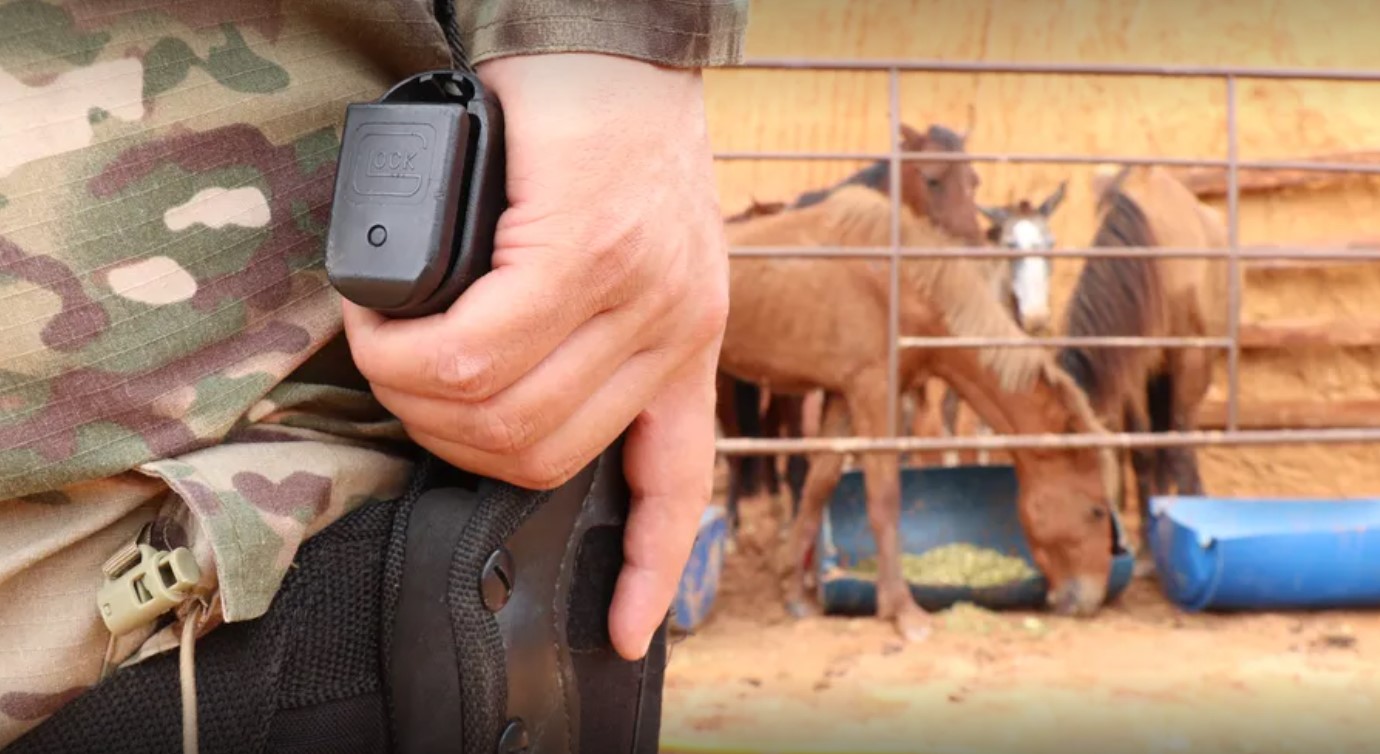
[943,192]
[1025,227]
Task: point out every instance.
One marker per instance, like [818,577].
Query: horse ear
[1052,203]
[995,215]
[1074,399]
[910,136]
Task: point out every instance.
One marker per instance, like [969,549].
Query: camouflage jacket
[170,366]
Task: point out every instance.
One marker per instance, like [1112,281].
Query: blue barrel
[699,582]
[1266,554]
[939,506]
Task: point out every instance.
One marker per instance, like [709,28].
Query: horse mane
[874,176]
[1114,296]
[948,139]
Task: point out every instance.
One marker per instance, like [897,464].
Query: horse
[804,324]
[943,191]
[1133,389]
[1025,291]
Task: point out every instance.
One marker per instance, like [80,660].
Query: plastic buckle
[142,583]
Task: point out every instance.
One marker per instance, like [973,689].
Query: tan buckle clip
[142,583]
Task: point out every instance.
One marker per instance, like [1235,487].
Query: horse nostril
[1067,599]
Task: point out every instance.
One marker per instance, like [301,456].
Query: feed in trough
[959,564]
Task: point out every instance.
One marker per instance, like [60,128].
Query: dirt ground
[1140,677]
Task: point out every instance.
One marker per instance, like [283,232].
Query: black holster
[467,616]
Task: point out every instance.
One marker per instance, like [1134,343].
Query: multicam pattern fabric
[166,170]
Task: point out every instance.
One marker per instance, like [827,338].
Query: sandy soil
[1141,677]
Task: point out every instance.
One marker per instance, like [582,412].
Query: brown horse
[801,324]
[943,192]
[1159,389]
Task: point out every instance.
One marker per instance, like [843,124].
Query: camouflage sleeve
[676,33]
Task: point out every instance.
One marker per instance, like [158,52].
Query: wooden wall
[1108,116]
[847,111]
[813,110]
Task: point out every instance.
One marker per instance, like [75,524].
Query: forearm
[675,33]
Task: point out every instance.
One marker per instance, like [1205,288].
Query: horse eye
[933,183]
[1098,514]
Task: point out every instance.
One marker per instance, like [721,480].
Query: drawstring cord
[187,671]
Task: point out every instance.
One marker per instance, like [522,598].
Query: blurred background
[1143,676]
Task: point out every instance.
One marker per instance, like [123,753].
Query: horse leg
[793,421]
[1159,403]
[725,408]
[881,475]
[820,481]
[968,426]
[1192,370]
[771,427]
[948,414]
[926,422]
[1145,464]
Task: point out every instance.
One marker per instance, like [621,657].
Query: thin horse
[803,324]
[1159,389]
[943,192]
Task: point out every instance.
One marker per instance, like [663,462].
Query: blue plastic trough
[699,582]
[1263,554]
[972,504]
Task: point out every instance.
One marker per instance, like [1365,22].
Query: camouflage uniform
[169,343]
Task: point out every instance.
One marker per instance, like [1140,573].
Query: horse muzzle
[1080,597]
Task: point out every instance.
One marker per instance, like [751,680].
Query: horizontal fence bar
[1321,253]
[1231,437]
[762,447]
[1084,69]
[1302,166]
[1032,341]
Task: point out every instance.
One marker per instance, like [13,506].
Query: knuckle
[367,362]
[713,315]
[616,248]
[504,432]
[540,471]
[469,376]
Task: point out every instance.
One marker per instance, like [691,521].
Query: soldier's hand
[605,308]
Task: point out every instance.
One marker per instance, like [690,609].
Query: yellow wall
[1105,116]
[847,111]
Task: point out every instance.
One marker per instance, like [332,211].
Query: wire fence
[1235,254]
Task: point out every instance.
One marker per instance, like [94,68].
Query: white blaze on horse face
[1030,275]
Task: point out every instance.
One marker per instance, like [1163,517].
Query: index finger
[669,464]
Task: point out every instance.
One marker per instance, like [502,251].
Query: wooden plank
[1352,414]
[1211,182]
[1357,243]
[1273,334]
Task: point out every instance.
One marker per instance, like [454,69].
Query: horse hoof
[1143,569]
[799,610]
[913,626]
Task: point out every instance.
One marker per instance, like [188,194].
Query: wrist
[590,84]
